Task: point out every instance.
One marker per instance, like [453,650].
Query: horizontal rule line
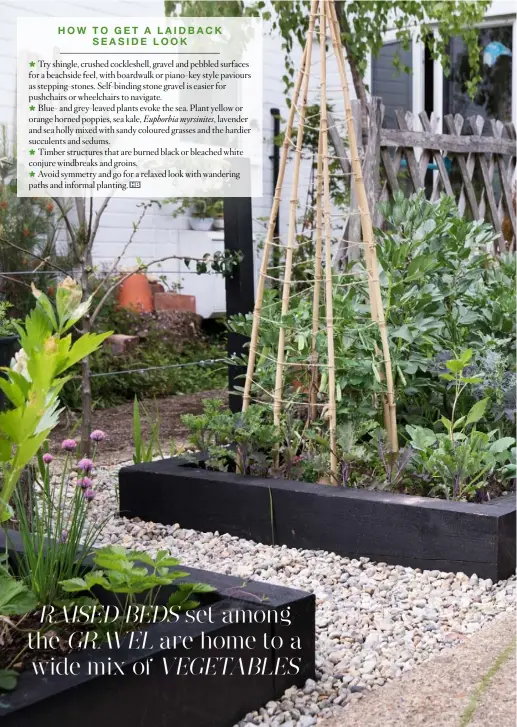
[153,53]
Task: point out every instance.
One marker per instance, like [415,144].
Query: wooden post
[352,246]
[337,143]
[372,157]
[238,236]
[275,157]
[340,152]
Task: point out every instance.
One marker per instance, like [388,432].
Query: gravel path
[471,686]
[374,621]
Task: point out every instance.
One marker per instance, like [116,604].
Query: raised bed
[420,532]
[188,698]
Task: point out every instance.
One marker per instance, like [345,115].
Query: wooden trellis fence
[474,162]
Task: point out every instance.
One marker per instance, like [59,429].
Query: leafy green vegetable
[15,598]
[117,572]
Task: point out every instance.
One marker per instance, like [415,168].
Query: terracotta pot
[135,293]
[175,301]
[156,287]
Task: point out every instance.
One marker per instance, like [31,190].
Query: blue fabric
[492,52]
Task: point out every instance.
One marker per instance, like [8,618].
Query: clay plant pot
[135,294]
[156,287]
[175,301]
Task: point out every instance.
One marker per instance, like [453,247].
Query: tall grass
[145,451]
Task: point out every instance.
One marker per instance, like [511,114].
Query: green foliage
[442,290]
[164,342]
[7,325]
[197,206]
[222,262]
[250,444]
[36,378]
[117,572]
[339,186]
[240,440]
[462,463]
[29,228]
[144,452]
[462,460]
[354,339]
[207,8]
[16,598]
[8,680]
[363,24]
[498,384]
[111,390]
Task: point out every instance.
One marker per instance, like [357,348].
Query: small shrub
[167,339]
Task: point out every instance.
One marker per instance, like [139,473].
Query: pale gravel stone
[374,622]
[438,692]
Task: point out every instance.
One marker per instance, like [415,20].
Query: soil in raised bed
[14,640]
[117,422]
[14,634]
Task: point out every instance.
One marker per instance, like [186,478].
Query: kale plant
[243,441]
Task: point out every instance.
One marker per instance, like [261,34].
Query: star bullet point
[32,64]
[32,174]
[32,108]
[32,152]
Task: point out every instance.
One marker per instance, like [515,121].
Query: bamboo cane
[354,150]
[328,251]
[356,168]
[277,399]
[317,281]
[367,228]
[269,237]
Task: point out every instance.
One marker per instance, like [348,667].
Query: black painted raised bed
[420,532]
[185,700]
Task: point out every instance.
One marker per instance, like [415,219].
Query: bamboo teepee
[323,24]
